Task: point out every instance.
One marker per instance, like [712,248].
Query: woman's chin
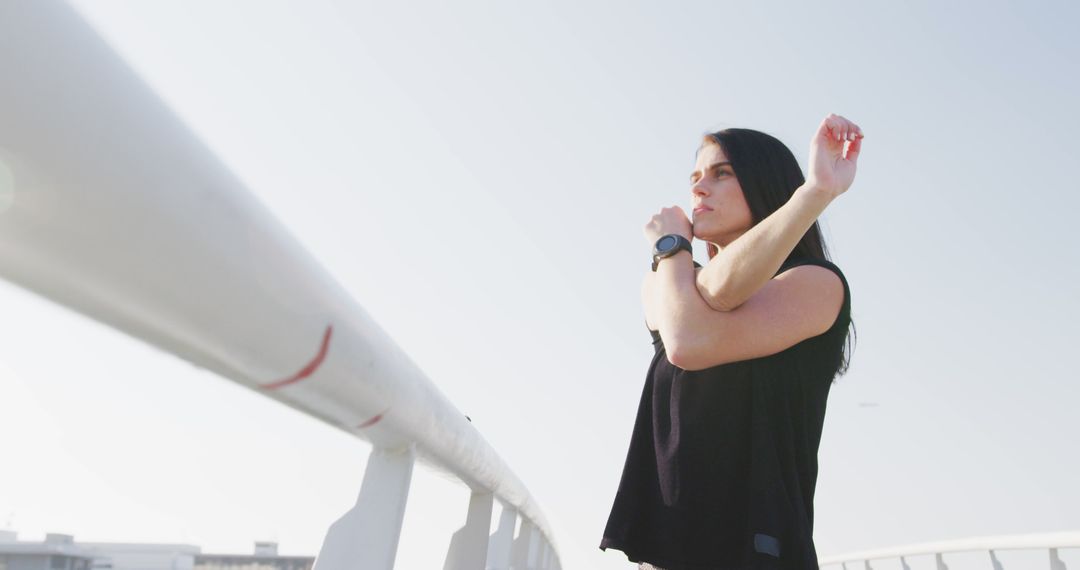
[703,235]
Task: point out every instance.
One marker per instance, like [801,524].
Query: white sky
[478,176]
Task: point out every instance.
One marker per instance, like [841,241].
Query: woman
[722,464]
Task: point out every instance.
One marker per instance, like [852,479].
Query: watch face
[666,243]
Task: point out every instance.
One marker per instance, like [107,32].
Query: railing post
[940,562]
[535,544]
[469,545]
[995,561]
[520,558]
[501,542]
[1055,562]
[366,537]
[545,555]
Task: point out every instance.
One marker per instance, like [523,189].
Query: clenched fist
[671,220]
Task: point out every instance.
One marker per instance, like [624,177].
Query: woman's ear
[711,249]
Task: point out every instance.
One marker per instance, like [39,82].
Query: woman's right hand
[831,169]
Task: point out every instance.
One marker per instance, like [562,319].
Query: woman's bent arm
[679,310]
[746,264]
[799,304]
[734,274]
[650,302]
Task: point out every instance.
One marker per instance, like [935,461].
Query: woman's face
[720,211]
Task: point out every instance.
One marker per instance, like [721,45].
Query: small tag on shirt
[767,544]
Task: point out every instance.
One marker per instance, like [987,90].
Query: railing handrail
[1051,540]
[121,213]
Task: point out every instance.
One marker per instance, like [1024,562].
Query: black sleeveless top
[722,462]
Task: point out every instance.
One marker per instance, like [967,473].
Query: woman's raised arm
[739,270]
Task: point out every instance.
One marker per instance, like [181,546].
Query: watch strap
[681,243]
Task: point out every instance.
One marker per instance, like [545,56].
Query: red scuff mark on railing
[310,368]
[373,420]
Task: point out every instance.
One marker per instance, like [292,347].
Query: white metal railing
[991,545]
[111,206]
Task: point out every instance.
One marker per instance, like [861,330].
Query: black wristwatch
[668,246]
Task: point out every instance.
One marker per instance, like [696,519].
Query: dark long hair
[769,175]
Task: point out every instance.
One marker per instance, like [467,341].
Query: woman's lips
[700,210]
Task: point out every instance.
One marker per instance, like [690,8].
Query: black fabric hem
[636,556]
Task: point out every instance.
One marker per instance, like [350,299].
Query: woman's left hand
[671,220]
[833,153]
